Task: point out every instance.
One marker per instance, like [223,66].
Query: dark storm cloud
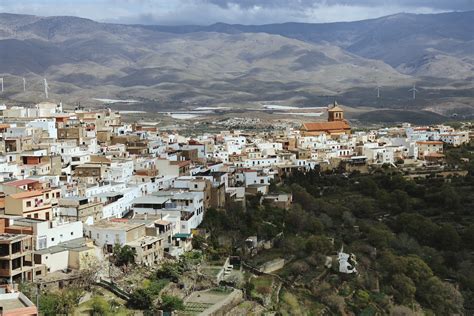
[230,11]
[452,5]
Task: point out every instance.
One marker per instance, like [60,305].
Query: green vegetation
[61,302]
[414,240]
[171,303]
[99,306]
[144,297]
[123,255]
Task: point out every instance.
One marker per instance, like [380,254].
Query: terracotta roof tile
[326,126]
[19,183]
[26,194]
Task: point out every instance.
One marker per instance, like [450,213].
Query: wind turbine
[24,84]
[378,91]
[414,91]
[46,88]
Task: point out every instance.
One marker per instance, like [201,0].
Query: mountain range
[301,63]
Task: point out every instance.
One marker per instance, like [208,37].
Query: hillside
[412,241]
[170,66]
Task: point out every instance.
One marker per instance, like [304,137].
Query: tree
[401,201]
[60,302]
[468,237]
[416,269]
[379,236]
[29,289]
[249,287]
[448,238]
[90,270]
[405,289]
[418,226]
[169,270]
[368,186]
[318,244]
[362,299]
[123,255]
[99,306]
[440,296]
[199,242]
[171,303]
[48,304]
[140,299]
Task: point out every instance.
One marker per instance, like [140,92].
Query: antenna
[1,81]
[46,88]
[414,91]
[24,84]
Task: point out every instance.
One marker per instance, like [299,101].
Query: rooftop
[325,126]
[13,237]
[115,225]
[145,240]
[19,183]
[11,301]
[151,199]
[26,194]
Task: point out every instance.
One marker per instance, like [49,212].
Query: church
[335,126]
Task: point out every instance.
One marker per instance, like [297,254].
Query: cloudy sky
[230,11]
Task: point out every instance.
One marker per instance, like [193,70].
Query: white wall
[57,234]
[56,261]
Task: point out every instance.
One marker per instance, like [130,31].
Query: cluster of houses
[73,184]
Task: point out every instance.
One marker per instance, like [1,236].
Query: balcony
[12,272]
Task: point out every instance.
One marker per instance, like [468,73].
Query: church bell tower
[335,113]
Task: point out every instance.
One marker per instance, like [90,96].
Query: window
[72,233]
[47,195]
[36,215]
[52,238]
[28,203]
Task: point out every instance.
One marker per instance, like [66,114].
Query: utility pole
[37,296]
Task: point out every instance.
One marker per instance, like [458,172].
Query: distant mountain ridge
[381,38]
[211,64]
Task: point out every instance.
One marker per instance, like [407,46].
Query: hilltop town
[95,209]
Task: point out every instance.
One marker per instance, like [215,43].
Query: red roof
[20,183]
[119,220]
[326,126]
[26,194]
[194,142]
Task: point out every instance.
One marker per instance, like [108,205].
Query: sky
[205,12]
